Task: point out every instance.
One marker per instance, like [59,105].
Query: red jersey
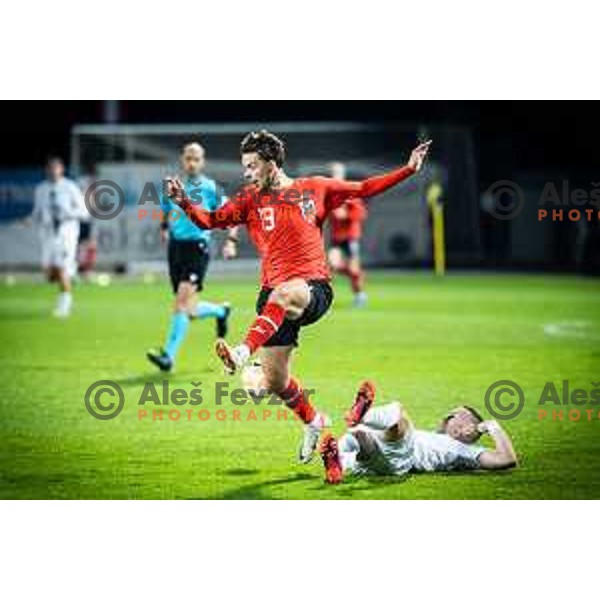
[346,221]
[287,225]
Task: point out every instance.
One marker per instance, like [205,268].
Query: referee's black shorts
[321,297]
[188,261]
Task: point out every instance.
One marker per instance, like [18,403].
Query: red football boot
[331,460]
[362,403]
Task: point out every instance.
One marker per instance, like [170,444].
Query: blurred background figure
[58,209]
[346,232]
[87,248]
[478,145]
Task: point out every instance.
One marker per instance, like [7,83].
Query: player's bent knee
[293,299]
[282,295]
[401,425]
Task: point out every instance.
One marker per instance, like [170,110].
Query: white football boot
[310,440]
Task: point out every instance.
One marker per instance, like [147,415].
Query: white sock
[65,301]
[241,354]
[383,417]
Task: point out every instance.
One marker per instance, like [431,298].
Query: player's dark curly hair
[266,144]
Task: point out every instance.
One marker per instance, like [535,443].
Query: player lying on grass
[188,253]
[381,440]
[285,217]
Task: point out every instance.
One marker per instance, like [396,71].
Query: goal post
[397,232]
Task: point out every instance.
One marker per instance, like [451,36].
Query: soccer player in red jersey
[346,224]
[284,218]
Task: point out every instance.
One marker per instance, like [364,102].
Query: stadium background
[477,145]
[433,342]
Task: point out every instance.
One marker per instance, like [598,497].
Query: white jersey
[440,452]
[58,208]
[418,451]
[84,183]
[56,202]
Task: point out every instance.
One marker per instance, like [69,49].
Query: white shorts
[59,248]
[389,458]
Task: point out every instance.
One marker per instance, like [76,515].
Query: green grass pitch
[431,343]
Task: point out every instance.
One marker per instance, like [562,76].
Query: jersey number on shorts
[267,218]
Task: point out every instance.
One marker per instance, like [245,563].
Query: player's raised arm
[503,456]
[339,191]
[231,214]
[229,250]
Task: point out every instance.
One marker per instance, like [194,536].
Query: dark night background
[509,137]
[528,142]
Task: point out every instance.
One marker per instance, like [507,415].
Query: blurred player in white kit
[57,211]
[382,441]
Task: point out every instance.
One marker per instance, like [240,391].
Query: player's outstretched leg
[263,328]
[362,403]
[276,379]
[287,300]
[297,400]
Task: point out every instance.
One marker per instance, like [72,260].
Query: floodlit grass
[431,343]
